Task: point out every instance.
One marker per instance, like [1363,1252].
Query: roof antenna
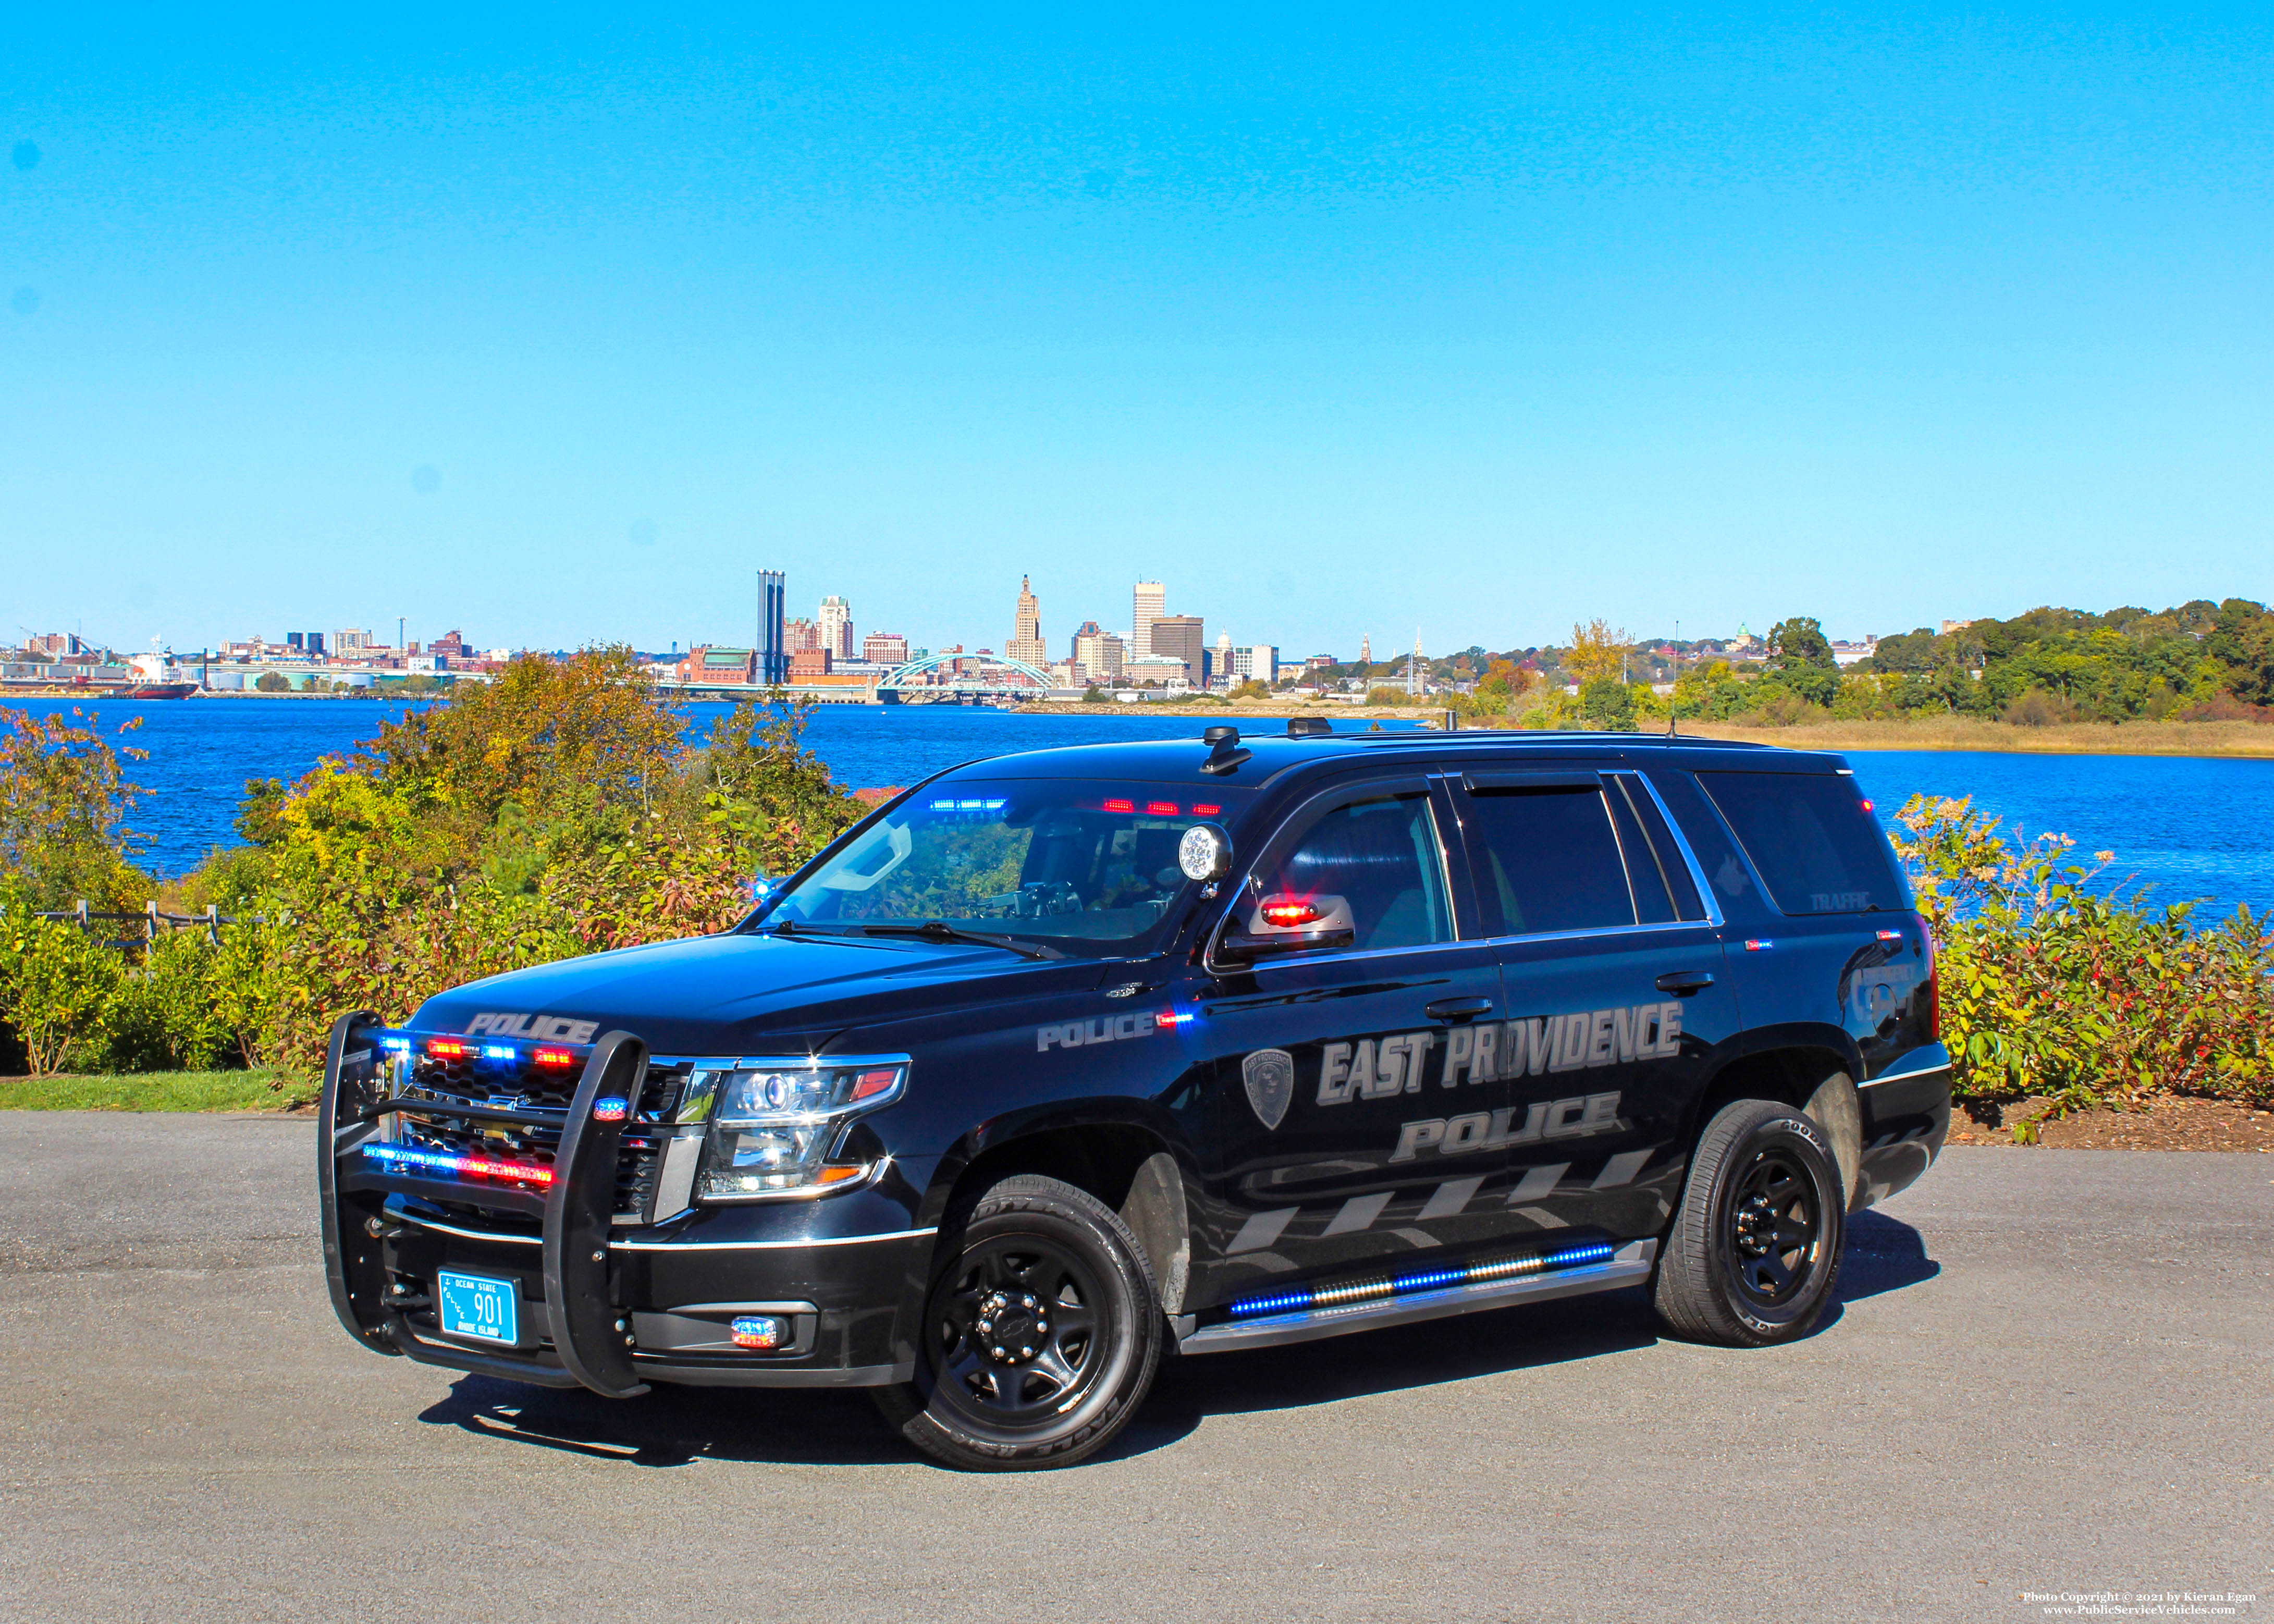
[1225,755]
[1677,677]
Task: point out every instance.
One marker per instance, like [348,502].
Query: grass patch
[157,1091]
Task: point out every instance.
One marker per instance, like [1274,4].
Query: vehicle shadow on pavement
[677,1426]
[1883,1254]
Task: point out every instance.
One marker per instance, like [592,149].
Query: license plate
[478,1306]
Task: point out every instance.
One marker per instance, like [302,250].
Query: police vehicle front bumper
[788,1294]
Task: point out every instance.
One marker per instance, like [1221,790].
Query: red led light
[867,1085]
[1120,806]
[1284,915]
[1161,809]
[1867,806]
[1201,808]
[448,1048]
[555,1057]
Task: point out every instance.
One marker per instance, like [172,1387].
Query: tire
[1040,1336]
[1754,1250]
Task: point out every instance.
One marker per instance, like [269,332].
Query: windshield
[1091,867]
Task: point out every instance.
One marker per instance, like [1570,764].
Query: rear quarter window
[1815,845]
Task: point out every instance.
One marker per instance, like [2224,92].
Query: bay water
[2188,827]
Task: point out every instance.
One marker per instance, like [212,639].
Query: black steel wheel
[1754,1249]
[1040,1334]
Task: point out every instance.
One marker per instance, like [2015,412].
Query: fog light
[760,1333]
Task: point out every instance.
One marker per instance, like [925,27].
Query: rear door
[1615,986]
[1847,951]
[1332,1097]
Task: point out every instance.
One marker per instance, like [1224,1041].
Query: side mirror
[1282,923]
[1238,947]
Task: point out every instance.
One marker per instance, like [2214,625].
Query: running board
[1627,1266]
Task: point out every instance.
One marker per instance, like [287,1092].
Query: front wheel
[1040,1335]
[1755,1248]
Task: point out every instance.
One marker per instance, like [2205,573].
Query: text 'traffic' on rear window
[1815,847]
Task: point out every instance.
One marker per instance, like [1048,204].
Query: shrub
[2038,708]
[55,987]
[166,1015]
[2054,983]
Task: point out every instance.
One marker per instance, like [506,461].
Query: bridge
[998,675]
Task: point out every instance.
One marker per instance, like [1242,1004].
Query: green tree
[64,800]
[274,682]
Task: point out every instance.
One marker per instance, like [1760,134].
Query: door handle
[1682,983]
[1457,1009]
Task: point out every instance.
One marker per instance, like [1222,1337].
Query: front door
[1331,1083]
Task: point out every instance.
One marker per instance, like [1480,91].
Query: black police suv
[1064,1061]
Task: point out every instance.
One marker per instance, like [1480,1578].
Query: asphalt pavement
[2048,1373]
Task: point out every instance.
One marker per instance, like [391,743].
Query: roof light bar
[1378,1288]
[409,1160]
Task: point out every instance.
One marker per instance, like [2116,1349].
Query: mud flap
[354,1267]
[578,1300]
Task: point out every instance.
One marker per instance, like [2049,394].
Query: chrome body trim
[825,1240]
[634,1246]
[1924,1061]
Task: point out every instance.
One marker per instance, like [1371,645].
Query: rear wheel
[1040,1336]
[1755,1248]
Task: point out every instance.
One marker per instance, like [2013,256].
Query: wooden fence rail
[153,919]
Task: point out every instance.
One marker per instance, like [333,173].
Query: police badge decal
[1269,1074]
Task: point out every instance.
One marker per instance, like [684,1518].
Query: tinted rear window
[1549,861]
[1815,847]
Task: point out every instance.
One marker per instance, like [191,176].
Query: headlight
[776,1124]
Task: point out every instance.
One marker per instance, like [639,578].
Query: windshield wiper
[940,930]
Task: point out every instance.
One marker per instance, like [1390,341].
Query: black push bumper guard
[576,1210]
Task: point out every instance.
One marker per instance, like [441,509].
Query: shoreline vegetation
[565,810]
[1922,732]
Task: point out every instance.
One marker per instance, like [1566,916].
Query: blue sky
[555,327]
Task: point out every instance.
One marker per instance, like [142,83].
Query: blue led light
[1279,1302]
[1595,1253]
[1345,1293]
[395,1045]
[943,806]
[497,1051]
[995,805]
[409,1158]
[1428,1280]
[609,1110]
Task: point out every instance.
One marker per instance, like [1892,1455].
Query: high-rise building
[352,640]
[836,620]
[1027,643]
[1097,655]
[772,653]
[884,649]
[1182,637]
[1253,662]
[1150,601]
